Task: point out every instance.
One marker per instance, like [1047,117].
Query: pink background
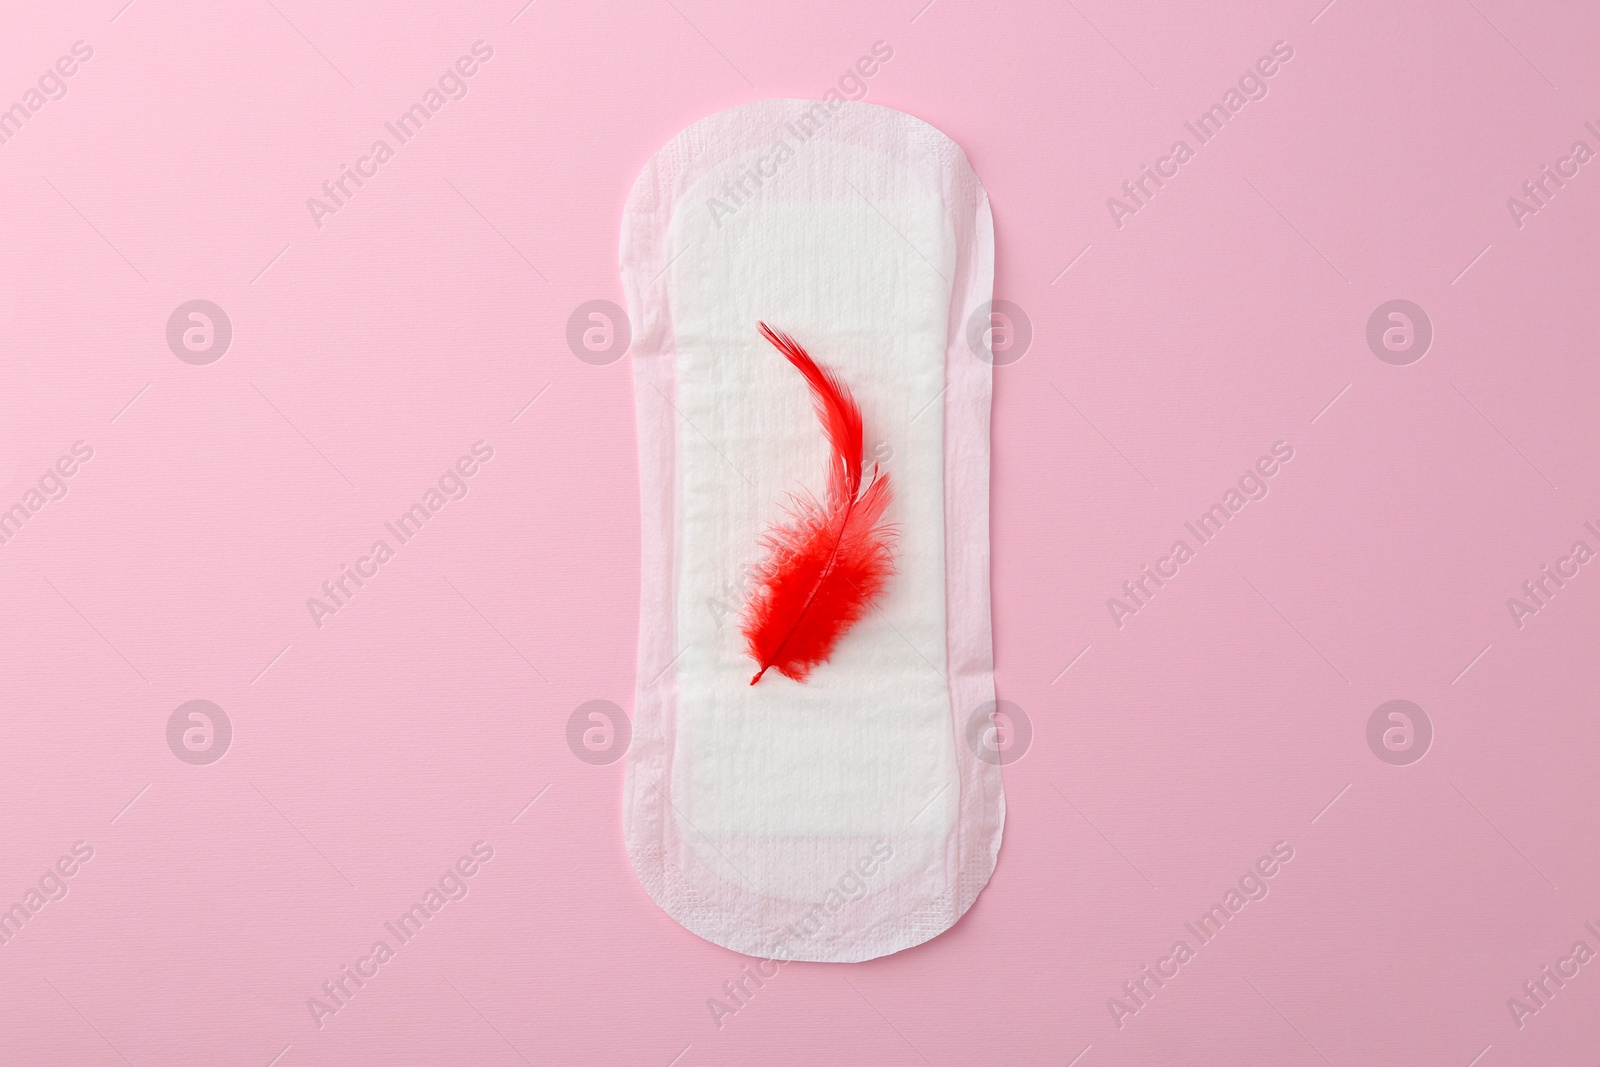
[1169,354]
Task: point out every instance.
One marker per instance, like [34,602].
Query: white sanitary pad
[846,817]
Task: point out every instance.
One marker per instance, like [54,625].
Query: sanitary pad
[846,817]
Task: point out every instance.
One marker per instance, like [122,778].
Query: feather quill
[827,565]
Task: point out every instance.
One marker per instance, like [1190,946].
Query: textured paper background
[1167,356]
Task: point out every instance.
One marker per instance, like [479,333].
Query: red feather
[826,567]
